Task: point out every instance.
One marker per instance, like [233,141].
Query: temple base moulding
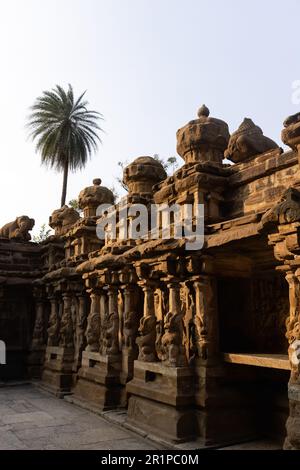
[98,382]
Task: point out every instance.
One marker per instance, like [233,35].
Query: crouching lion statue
[63,219]
[18,229]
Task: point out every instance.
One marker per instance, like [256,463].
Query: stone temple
[196,345]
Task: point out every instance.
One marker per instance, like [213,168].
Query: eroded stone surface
[146,325]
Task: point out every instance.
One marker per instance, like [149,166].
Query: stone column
[173,353]
[147,328]
[129,334]
[39,330]
[292,441]
[111,327]
[53,325]
[112,299]
[161,392]
[57,373]
[148,299]
[93,323]
[36,355]
[80,329]
[212,405]
[130,318]
[206,321]
[66,324]
[174,296]
[103,317]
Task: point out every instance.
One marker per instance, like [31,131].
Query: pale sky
[147,66]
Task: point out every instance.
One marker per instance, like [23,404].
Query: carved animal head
[172,321]
[147,324]
[62,219]
[25,224]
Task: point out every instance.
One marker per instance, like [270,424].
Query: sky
[147,66]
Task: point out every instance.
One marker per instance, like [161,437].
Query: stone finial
[290,135]
[18,230]
[203,139]
[248,141]
[92,196]
[203,111]
[63,219]
[142,174]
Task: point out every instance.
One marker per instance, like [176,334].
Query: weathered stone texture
[188,341]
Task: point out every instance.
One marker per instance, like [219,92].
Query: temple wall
[19,267]
[256,185]
[155,327]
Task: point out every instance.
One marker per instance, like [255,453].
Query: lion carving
[18,229]
[62,219]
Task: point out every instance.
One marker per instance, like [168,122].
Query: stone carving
[111,338]
[38,335]
[66,325]
[92,196]
[93,326]
[201,335]
[146,340]
[92,336]
[53,329]
[63,219]
[203,139]
[158,341]
[171,342]
[247,142]
[230,286]
[130,329]
[188,306]
[286,211]
[80,320]
[293,337]
[291,133]
[18,229]
[142,174]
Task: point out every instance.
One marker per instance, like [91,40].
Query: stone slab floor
[33,419]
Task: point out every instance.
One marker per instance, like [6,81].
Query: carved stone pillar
[174,296]
[111,327]
[147,328]
[66,339]
[173,352]
[38,344]
[281,224]
[57,374]
[161,392]
[53,327]
[39,330]
[131,318]
[81,317]
[212,409]
[93,323]
[206,326]
[293,335]
[99,376]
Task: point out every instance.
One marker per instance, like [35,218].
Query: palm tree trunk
[65,183]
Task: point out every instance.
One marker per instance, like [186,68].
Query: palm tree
[65,131]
